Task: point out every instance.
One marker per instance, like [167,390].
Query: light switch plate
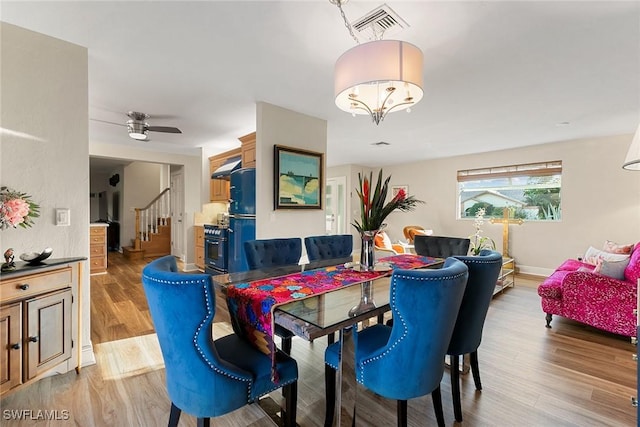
[63,217]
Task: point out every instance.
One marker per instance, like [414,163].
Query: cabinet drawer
[97,264]
[35,284]
[97,231]
[96,240]
[96,250]
[199,231]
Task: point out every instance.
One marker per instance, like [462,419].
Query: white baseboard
[534,271]
[88,357]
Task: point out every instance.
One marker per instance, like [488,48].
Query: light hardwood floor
[571,375]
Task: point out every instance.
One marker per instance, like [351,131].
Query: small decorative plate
[35,257]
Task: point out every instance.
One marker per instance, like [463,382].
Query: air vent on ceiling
[380,143]
[382,21]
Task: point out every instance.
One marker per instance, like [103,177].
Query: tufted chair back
[484,270]
[483,275]
[329,247]
[204,378]
[441,246]
[272,252]
[425,306]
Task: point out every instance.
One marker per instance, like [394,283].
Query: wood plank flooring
[570,375]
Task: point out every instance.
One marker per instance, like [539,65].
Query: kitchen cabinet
[219,188]
[39,322]
[248,149]
[98,248]
[199,239]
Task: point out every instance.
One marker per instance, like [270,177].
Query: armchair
[410,231]
[383,245]
[406,360]
[205,377]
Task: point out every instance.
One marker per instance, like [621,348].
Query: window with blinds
[530,191]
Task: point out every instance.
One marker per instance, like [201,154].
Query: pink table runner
[252,304]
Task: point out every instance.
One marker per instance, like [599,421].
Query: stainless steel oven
[216,243]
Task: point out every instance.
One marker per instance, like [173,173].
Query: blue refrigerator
[242,216]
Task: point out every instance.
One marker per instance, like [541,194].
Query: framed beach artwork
[297,178]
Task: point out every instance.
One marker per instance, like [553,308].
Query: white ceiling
[497,74]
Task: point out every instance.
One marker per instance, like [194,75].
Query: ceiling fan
[138,127]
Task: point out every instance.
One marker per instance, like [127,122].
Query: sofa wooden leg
[548,319]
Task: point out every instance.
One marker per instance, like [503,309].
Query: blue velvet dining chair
[269,253]
[484,270]
[441,246]
[336,246]
[205,377]
[407,360]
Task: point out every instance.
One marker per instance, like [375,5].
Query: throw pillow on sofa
[614,248]
[613,269]
[592,255]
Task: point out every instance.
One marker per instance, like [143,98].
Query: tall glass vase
[367,250]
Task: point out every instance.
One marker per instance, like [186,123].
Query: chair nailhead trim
[397,315]
[207,298]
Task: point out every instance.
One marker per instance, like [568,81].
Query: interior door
[336,205]
[177,215]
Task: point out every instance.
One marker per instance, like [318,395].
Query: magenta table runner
[252,304]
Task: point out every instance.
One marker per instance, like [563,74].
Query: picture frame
[298,179]
[396,188]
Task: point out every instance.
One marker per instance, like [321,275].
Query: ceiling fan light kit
[378,77]
[139,129]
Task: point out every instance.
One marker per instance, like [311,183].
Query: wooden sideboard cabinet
[199,238]
[248,148]
[98,248]
[39,322]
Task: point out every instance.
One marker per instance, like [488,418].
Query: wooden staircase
[153,229]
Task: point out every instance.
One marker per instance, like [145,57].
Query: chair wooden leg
[475,370]
[455,386]
[331,338]
[329,394]
[290,392]
[548,318]
[381,319]
[402,413]
[174,415]
[203,422]
[286,345]
[436,396]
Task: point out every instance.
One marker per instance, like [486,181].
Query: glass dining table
[339,310]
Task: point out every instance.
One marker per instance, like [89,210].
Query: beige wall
[279,126]
[600,200]
[45,95]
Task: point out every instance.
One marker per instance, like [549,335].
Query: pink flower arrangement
[16,208]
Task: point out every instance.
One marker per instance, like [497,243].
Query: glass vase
[367,250]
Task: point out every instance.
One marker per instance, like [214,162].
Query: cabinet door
[48,334]
[10,346]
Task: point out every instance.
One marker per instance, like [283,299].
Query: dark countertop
[23,268]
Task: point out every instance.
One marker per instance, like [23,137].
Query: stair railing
[149,218]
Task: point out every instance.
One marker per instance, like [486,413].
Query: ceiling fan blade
[167,129]
[111,123]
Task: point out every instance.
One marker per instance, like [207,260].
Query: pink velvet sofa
[576,292]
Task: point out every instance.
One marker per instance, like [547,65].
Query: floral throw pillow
[593,255]
[614,248]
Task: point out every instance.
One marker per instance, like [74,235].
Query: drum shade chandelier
[377,77]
